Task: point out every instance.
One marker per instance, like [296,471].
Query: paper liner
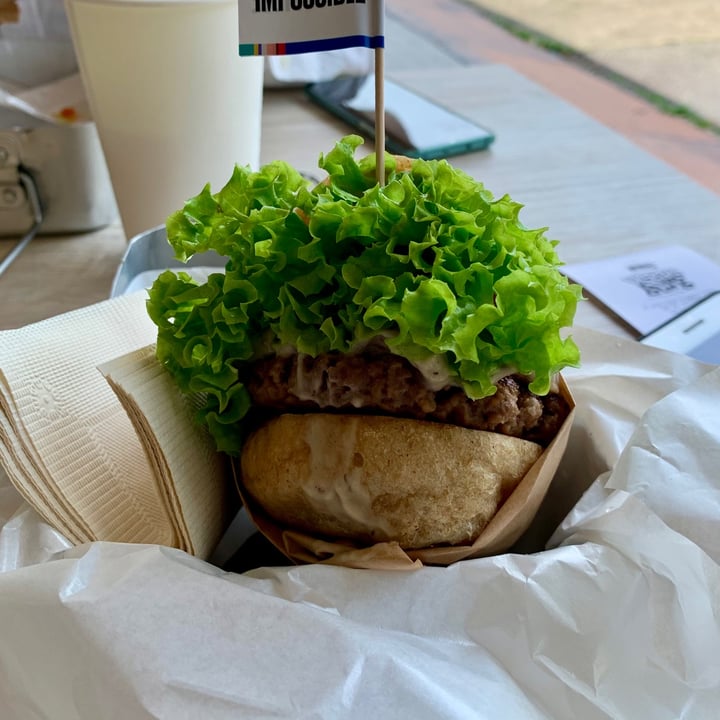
[9,11]
[509,523]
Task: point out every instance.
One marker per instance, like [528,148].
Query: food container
[68,169]
[46,138]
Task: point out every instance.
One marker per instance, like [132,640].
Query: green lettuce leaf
[429,258]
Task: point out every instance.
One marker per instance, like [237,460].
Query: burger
[380,356]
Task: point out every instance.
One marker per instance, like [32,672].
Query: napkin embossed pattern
[66,441]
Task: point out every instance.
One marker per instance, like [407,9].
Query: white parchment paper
[609,609]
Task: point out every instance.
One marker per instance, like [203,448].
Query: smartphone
[695,332]
[415,125]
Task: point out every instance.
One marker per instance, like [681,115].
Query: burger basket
[506,527]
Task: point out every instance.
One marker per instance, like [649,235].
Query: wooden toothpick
[380,115]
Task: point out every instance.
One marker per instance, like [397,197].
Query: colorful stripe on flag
[294,48]
[288,27]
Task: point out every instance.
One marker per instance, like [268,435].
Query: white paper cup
[175,105]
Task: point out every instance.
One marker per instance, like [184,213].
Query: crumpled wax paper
[57,102]
[609,608]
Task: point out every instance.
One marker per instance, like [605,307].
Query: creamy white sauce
[436,372]
[304,387]
[501,373]
[346,497]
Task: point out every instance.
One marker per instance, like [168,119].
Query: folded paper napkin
[96,438]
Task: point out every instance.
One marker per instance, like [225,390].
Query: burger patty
[384,383]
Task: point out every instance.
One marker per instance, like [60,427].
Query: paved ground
[671,47]
[436,32]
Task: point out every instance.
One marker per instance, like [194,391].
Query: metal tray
[149,253]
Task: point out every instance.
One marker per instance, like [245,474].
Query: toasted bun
[372,478]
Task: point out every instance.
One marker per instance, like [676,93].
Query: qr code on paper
[657,282]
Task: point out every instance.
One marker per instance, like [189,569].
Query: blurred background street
[668,47]
[647,69]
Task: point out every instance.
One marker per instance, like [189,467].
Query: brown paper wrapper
[9,11]
[511,520]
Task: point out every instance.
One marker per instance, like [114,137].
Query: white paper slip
[650,287]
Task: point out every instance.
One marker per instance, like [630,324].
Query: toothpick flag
[287,27]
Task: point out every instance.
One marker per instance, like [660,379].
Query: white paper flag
[288,27]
